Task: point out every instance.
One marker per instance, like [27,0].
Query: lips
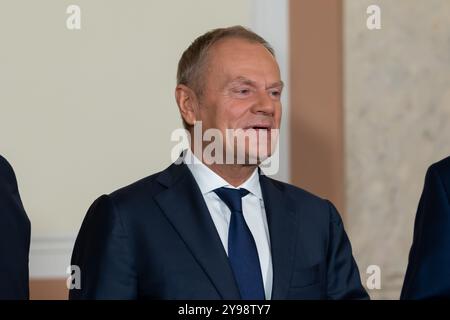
[259,126]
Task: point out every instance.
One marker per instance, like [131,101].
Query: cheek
[229,115]
[278,113]
[240,110]
[208,116]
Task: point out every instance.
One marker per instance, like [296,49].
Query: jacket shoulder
[440,171]
[146,187]
[307,202]
[6,171]
[296,192]
[442,168]
[7,176]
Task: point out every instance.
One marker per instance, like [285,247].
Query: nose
[265,104]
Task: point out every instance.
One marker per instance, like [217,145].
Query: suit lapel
[283,228]
[183,204]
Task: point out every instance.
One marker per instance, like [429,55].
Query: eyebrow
[244,80]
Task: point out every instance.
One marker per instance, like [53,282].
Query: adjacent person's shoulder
[440,172]
[6,171]
[442,168]
[4,163]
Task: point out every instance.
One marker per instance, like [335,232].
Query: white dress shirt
[252,208]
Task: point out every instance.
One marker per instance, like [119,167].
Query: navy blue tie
[242,251]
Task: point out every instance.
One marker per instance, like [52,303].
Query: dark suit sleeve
[343,278]
[428,273]
[14,238]
[103,254]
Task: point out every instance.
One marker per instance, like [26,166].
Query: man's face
[242,89]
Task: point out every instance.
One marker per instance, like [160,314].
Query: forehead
[235,55]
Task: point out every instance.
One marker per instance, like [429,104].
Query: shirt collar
[208,180]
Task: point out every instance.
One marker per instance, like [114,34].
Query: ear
[187,103]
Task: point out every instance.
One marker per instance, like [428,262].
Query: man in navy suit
[14,237]
[205,229]
[428,273]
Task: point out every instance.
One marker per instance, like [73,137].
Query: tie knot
[232,197]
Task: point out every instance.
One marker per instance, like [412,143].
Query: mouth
[259,127]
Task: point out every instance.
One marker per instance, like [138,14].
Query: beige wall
[397,113]
[85,112]
[370,154]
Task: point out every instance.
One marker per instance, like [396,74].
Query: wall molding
[317,121]
[270,19]
[50,256]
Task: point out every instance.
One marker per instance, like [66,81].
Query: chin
[251,147]
[254,155]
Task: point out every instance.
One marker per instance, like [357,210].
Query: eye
[242,91]
[275,93]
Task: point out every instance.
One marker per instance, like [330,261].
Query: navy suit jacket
[428,273]
[155,239]
[14,237]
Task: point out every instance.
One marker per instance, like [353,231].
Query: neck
[234,174]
